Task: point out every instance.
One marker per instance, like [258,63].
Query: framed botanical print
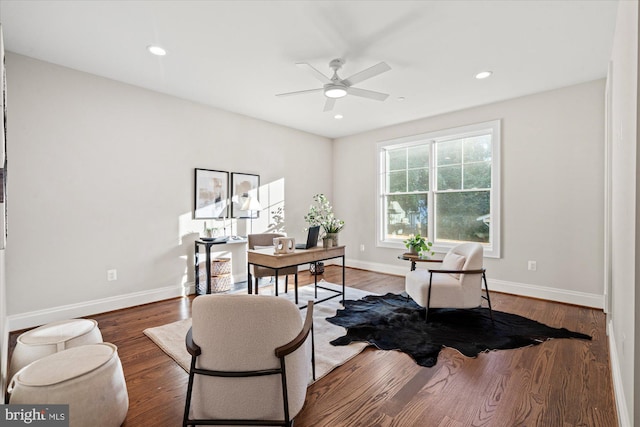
[244,195]
[211,194]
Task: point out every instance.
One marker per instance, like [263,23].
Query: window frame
[493,127]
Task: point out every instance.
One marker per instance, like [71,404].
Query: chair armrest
[294,344]
[192,348]
[479,271]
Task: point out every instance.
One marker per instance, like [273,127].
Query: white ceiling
[236,55]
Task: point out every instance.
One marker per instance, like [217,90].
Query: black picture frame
[244,192]
[211,194]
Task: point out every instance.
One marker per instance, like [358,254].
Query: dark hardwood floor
[558,383]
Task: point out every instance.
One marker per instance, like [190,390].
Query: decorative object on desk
[209,232]
[244,186]
[327,242]
[322,214]
[284,245]
[211,198]
[418,244]
[396,322]
[316,268]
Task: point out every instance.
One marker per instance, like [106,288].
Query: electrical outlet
[112,275]
[532,266]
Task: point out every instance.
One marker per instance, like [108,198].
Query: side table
[208,243]
[414,259]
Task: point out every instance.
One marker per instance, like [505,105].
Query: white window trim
[491,250]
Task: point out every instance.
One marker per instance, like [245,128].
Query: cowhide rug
[396,322]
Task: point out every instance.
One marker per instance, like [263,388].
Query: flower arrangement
[322,214]
[418,244]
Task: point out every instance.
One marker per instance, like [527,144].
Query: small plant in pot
[418,245]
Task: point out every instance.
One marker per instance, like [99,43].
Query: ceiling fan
[335,87]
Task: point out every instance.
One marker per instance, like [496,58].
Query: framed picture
[211,194]
[244,195]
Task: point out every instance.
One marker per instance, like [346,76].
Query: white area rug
[170,337]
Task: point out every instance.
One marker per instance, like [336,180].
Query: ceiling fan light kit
[335,87]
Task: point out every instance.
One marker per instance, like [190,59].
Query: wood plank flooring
[558,383]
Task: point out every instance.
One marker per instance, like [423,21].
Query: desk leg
[249,279]
[413,265]
[296,286]
[276,270]
[208,258]
[315,280]
[196,268]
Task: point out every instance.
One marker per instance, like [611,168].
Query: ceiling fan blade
[367,74]
[328,106]
[300,92]
[317,74]
[378,96]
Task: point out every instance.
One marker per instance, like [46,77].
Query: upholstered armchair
[257,241]
[457,283]
[251,360]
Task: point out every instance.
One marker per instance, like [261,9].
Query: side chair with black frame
[456,284]
[249,361]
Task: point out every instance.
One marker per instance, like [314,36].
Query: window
[443,185]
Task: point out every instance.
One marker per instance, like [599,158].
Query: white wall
[102,177]
[623,329]
[552,192]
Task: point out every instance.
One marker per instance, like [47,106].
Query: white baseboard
[40,317]
[522,289]
[616,375]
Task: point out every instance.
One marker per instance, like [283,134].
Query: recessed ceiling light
[338,116]
[483,75]
[400,98]
[156,50]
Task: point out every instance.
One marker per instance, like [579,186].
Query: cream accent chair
[257,241]
[250,360]
[456,284]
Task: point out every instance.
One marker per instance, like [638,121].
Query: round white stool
[52,338]
[88,378]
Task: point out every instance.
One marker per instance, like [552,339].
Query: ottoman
[88,378]
[52,338]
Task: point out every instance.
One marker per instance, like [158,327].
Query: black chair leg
[426,310]
[488,298]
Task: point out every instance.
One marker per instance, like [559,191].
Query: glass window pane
[418,156]
[449,152]
[477,175]
[477,149]
[397,182]
[397,159]
[418,180]
[406,214]
[463,216]
[450,177]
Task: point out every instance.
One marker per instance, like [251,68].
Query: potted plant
[418,244]
[322,214]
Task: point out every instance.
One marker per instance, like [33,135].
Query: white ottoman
[88,378]
[52,338]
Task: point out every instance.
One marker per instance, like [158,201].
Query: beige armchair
[256,241]
[456,284]
[250,360]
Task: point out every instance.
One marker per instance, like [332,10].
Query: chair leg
[426,310]
[187,405]
[488,298]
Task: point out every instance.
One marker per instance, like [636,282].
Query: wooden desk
[266,258]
